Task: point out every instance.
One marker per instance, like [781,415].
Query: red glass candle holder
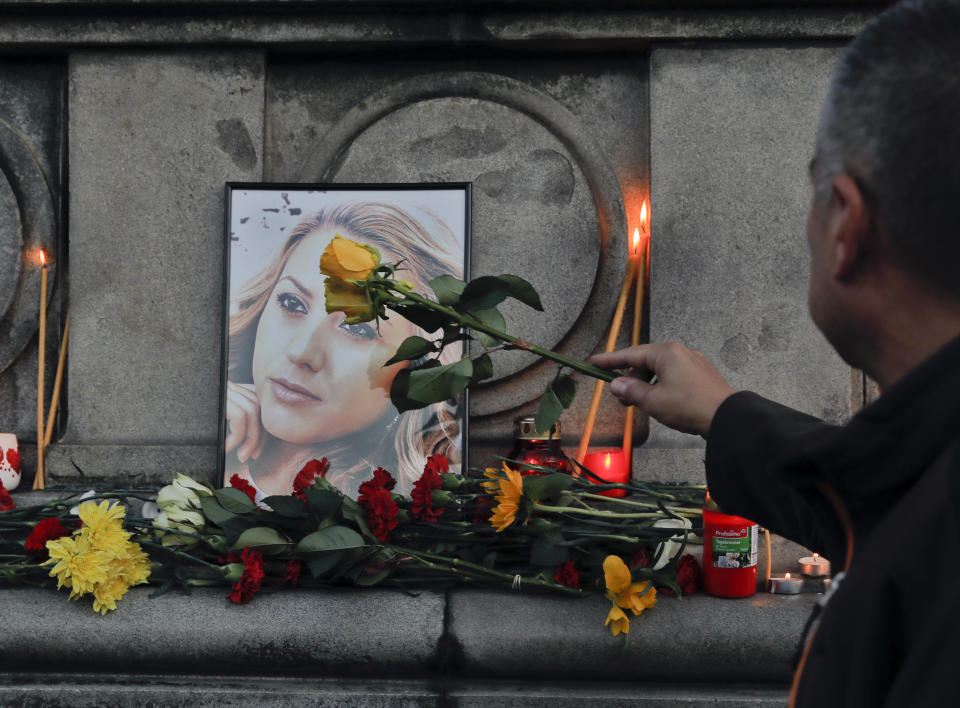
[535,447]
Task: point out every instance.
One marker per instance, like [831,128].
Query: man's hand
[687,391]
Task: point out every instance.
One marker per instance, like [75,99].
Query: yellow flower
[349,299]
[97,517]
[108,537]
[637,597]
[624,593]
[616,574]
[108,593]
[348,260]
[619,621]
[496,475]
[79,565]
[133,565]
[103,526]
[508,501]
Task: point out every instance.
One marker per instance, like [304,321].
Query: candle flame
[788,576]
[606,460]
[43,258]
[643,215]
[816,556]
[636,240]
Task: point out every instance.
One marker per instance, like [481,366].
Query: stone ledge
[337,633]
[152,690]
[383,633]
[298,29]
[699,637]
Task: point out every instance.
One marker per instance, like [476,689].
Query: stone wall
[122,121]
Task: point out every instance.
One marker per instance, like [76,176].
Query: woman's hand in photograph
[245,433]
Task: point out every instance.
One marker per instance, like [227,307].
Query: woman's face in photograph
[318,378]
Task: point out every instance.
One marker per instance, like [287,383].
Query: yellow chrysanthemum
[79,565]
[617,621]
[134,565]
[508,501]
[110,537]
[101,517]
[108,593]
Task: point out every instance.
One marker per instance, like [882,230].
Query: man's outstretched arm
[747,436]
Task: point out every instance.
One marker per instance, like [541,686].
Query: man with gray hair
[879,496]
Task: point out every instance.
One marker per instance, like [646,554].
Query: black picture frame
[297,373]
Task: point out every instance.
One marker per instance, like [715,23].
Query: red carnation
[237,482]
[381,480]
[6,503]
[689,577]
[251,578]
[291,573]
[567,575]
[438,463]
[422,494]
[13,457]
[381,512]
[307,477]
[46,530]
[381,509]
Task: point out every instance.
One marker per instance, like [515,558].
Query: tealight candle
[786,585]
[814,566]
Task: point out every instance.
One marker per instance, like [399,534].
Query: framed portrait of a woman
[300,384]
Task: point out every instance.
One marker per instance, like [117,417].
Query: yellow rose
[352,301]
[348,260]
[616,574]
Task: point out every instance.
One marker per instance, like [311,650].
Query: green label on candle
[735,547]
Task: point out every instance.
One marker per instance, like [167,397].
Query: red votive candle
[611,466]
[729,553]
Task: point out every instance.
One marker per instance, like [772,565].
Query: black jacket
[890,634]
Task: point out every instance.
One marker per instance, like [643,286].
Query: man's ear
[849,225]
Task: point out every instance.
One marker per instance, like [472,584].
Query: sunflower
[508,500]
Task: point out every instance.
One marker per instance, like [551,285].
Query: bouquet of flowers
[547,531]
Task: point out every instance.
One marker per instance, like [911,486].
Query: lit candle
[815,566]
[633,266]
[786,585]
[640,248]
[38,482]
[610,466]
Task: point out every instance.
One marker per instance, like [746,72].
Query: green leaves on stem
[464,311]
